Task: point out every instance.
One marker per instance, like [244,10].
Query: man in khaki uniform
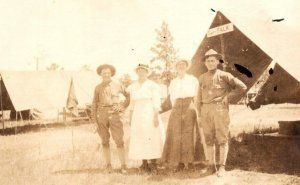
[215,91]
[105,112]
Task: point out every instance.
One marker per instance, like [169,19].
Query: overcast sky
[73,33]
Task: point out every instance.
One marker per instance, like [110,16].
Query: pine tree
[125,80]
[165,53]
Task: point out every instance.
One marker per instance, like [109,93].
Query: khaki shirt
[214,86]
[107,94]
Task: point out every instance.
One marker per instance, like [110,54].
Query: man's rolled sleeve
[126,94]
[238,87]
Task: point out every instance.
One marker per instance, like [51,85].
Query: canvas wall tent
[41,89]
[275,39]
[46,91]
[235,47]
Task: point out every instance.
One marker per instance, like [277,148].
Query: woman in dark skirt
[179,148]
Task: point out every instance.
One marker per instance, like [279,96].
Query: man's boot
[210,167]
[121,154]
[223,158]
[106,155]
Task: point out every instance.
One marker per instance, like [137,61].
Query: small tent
[280,87]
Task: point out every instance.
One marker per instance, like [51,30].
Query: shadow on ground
[39,127]
[262,153]
[161,175]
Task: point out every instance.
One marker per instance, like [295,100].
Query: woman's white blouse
[147,90]
[183,87]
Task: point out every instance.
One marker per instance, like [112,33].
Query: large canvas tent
[236,48]
[45,91]
[239,51]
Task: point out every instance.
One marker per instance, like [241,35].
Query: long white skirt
[146,141]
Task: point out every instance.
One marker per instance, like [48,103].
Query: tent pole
[16,122]
[2,116]
[87,115]
[21,117]
[72,135]
[64,115]
[224,65]
[57,118]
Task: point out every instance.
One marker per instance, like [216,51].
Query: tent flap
[280,87]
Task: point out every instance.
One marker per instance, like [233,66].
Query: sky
[73,33]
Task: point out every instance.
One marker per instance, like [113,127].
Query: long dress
[145,139]
[180,144]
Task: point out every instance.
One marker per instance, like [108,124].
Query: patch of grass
[48,157]
[71,154]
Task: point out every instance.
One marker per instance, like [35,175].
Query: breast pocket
[220,84]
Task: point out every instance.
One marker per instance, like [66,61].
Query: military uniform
[106,96]
[215,85]
[105,112]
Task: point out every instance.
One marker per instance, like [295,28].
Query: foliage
[125,80]
[54,67]
[165,54]
[86,68]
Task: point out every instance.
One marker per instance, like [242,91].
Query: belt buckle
[110,111]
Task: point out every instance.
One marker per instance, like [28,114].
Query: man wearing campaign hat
[216,89]
[105,112]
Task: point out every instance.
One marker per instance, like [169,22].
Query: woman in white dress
[145,139]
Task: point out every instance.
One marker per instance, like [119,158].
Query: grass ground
[51,156]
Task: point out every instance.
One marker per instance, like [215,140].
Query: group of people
[199,107]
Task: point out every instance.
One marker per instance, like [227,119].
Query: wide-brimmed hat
[187,62]
[142,66]
[212,52]
[105,66]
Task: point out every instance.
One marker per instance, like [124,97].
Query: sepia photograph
[161,92]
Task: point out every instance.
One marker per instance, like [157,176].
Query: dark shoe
[209,170]
[108,168]
[123,169]
[153,167]
[221,171]
[189,167]
[144,168]
[179,167]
